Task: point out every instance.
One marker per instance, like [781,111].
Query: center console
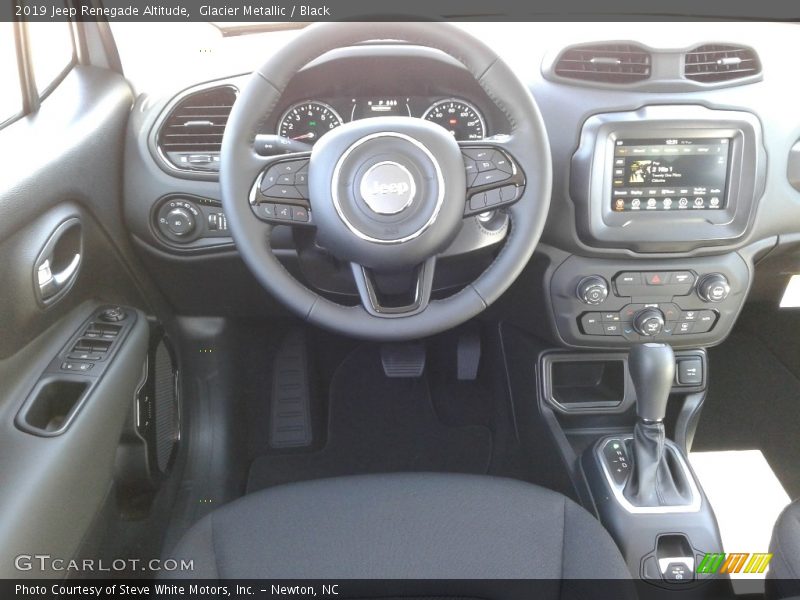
[667,191]
[664,197]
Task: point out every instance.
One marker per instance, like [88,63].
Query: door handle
[59,262]
[51,283]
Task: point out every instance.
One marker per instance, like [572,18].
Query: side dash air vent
[712,63]
[605,63]
[191,136]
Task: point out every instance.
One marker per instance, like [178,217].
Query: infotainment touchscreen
[670,174]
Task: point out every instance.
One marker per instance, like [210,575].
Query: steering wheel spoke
[413,298]
[494,178]
[279,194]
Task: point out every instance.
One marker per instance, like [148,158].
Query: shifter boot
[656,478]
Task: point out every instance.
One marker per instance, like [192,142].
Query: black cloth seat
[417,526]
[783,577]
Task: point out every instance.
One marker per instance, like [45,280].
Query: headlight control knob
[713,288]
[592,290]
[649,322]
[180,221]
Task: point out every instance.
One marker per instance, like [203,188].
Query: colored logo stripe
[719,562]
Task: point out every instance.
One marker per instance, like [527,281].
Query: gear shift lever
[655,479]
[652,368]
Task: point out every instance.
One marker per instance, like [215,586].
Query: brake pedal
[405,360]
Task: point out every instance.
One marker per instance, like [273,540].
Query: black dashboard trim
[590,183]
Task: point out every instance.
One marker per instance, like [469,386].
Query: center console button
[671,311]
[591,324]
[683,328]
[657,278]
[592,290]
[612,329]
[610,317]
[690,371]
[629,283]
[713,288]
[681,277]
[705,321]
[678,572]
[649,322]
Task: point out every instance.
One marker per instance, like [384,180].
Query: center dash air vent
[711,63]
[605,63]
[191,136]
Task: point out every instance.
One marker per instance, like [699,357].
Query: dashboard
[669,185]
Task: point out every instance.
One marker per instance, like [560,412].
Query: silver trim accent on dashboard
[617,490]
[462,101]
[335,194]
[167,112]
[310,101]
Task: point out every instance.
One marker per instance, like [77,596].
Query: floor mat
[376,424]
[753,403]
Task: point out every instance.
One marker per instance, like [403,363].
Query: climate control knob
[648,322]
[713,288]
[180,221]
[592,290]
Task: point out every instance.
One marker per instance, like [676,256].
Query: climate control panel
[690,302]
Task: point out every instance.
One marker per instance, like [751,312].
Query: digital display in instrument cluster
[379,107]
[669,174]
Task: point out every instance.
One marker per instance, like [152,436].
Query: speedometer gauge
[460,118]
[308,121]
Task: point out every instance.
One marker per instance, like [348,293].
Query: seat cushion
[418,526]
[783,578]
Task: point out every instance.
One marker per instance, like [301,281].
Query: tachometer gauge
[308,121]
[460,118]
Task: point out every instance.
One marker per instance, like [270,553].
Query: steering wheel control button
[491,170]
[478,202]
[280,194]
[713,288]
[494,197]
[388,188]
[283,212]
[300,214]
[501,163]
[592,290]
[490,177]
[509,193]
[649,322]
[470,170]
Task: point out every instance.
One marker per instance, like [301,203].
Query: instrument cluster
[308,120]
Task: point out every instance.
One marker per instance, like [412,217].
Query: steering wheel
[386,194]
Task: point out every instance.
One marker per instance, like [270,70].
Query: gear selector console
[643,486]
